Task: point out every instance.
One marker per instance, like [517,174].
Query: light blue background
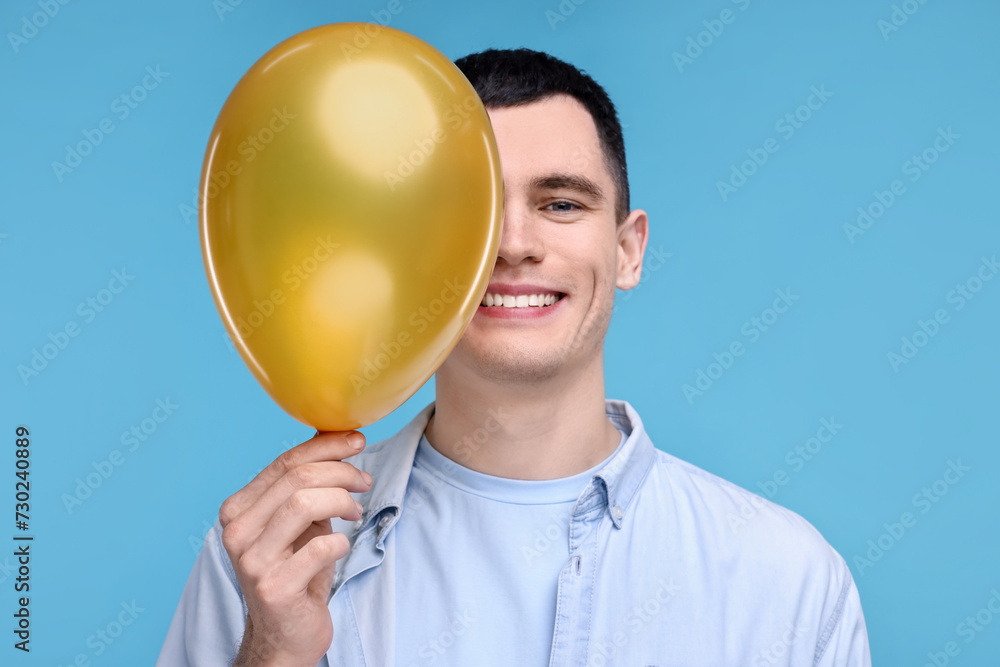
[135,537]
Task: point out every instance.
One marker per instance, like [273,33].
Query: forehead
[553,135]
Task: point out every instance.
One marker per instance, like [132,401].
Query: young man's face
[559,237]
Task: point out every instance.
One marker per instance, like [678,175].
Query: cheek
[588,257]
[596,254]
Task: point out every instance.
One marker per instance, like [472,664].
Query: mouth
[511,301]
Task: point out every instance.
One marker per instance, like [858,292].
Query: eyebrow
[560,181]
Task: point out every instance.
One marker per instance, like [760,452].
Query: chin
[518,374]
[504,364]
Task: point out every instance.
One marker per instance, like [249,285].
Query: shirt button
[617,512]
[384,521]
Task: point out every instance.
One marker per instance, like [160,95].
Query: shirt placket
[574,596]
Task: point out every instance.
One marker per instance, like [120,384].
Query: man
[521,518]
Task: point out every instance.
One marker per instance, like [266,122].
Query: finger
[246,528]
[311,568]
[326,446]
[317,528]
[294,516]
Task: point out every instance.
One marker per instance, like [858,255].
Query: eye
[562,206]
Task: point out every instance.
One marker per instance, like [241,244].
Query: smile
[520,301]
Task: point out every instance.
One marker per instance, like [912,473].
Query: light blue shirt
[668,565]
[485,548]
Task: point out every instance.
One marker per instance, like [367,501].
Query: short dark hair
[515,77]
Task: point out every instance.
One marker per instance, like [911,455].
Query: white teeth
[519,301]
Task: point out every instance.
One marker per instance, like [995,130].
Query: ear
[632,236]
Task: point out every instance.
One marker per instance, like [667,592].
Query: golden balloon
[351,207]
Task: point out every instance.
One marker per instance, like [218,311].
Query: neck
[552,429]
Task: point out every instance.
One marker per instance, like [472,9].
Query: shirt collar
[390,471]
[625,473]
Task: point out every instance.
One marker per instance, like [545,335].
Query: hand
[279,537]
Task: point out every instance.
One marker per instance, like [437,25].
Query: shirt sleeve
[846,644]
[208,626]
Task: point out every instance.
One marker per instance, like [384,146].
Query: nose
[520,236]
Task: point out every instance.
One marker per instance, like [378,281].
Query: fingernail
[360,509]
[367,477]
[356,441]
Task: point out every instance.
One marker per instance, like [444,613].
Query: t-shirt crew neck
[505,489]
